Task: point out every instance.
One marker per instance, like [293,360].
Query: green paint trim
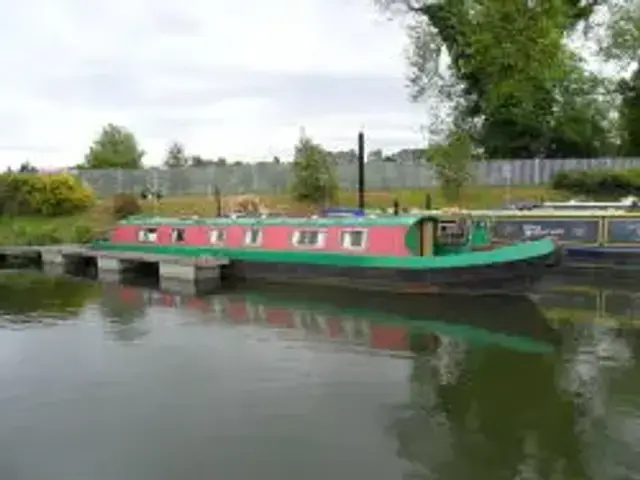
[412,239]
[511,253]
[388,220]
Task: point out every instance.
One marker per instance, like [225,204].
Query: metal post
[218,198]
[156,190]
[427,201]
[361,192]
[120,181]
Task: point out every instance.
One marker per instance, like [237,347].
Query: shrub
[36,235]
[125,205]
[598,183]
[48,195]
[83,233]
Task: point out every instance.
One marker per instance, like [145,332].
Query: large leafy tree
[622,46]
[503,67]
[115,147]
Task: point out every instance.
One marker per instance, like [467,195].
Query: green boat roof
[370,221]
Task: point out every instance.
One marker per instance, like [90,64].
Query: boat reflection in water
[607,301]
[384,322]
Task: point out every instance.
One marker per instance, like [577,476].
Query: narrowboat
[451,251]
[591,238]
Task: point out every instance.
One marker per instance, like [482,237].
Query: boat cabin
[399,236]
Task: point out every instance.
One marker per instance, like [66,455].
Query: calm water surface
[109,382]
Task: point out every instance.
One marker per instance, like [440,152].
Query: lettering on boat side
[585,231]
[625,230]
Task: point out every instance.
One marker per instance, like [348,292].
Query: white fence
[275,178]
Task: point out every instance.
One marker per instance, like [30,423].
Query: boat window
[253,237]
[452,232]
[353,239]
[178,235]
[309,238]
[217,236]
[149,235]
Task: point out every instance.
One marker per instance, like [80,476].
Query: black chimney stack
[361,171]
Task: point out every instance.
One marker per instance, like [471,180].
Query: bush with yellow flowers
[48,195]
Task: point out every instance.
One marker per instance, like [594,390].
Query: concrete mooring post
[53,263]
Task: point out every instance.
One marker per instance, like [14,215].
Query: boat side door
[426,238]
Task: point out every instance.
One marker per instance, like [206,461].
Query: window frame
[174,235]
[365,238]
[217,231]
[320,244]
[144,232]
[247,234]
[453,237]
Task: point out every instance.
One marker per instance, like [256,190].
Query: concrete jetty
[111,265]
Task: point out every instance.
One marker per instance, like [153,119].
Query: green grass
[82,228]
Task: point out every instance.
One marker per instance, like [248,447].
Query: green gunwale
[511,253]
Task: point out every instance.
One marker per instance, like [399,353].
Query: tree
[198,161]
[26,167]
[630,116]
[453,162]
[115,147]
[508,61]
[176,156]
[621,45]
[314,180]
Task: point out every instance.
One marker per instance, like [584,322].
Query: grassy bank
[81,228]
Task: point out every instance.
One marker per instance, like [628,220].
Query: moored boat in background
[591,238]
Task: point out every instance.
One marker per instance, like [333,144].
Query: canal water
[114,382]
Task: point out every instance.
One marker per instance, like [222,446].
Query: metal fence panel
[276,178]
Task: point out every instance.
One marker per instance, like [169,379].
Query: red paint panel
[235,236]
[389,338]
[125,234]
[380,241]
[384,240]
[387,241]
[277,238]
[164,235]
[199,236]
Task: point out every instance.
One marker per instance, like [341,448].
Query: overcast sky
[235,79]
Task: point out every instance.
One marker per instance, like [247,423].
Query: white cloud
[227,78]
